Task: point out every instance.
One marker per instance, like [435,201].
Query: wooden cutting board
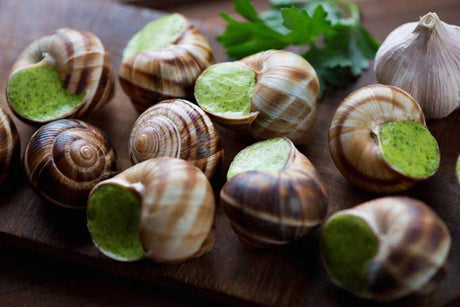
[230,273]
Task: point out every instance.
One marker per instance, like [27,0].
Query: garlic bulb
[379,141]
[179,129]
[63,75]
[424,59]
[9,144]
[270,94]
[274,194]
[162,209]
[65,159]
[386,248]
[163,60]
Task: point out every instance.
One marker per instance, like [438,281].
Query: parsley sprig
[329,32]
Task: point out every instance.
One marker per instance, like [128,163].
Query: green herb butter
[226,89]
[270,156]
[113,220]
[458,169]
[349,245]
[410,148]
[156,35]
[37,93]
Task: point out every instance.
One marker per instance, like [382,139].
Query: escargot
[379,141]
[163,60]
[179,129]
[269,94]
[66,74]
[9,144]
[273,194]
[65,159]
[385,248]
[161,209]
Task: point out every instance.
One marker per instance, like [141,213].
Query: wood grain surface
[291,275]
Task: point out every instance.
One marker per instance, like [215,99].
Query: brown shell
[413,246]
[65,159]
[273,208]
[355,128]
[83,65]
[179,129]
[9,144]
[151,76]
[177,206]
[284,99]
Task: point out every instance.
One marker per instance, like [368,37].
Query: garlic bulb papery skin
[423,59]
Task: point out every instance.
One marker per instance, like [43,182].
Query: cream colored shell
[9,144]
[179,129]
[151,76]
[424,59]
[413,246]
[82,62]
[353,136]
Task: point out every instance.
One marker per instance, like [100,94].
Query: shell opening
[113,222]
[409,148]
[38,94]
[226,90]
[270,156]
[349,245]
[156,35]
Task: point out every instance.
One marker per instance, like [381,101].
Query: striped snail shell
[83,67]
[355,137]
[281,102]
[179,129]
[163,72]
[161,209]
[386,248]
[65,159]
[9,144]
[271,207]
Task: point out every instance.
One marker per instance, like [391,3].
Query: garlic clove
[9,145]
[74,68]
[373,157]
[273,195]
[163,60]
[385,248]
[269,94]
[162,209]
[424,59]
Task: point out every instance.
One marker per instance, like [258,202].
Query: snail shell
[83,65]
[9,144]
[177,209]
[273,208]
[179,129]
[283,103]
[412,247]
[65,159]
[353,131]
[150,76]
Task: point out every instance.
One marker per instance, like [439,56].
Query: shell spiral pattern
[273,208]
[82,62]
[179,129]
[353,131]
[151,76]
[9,144]
[65,159]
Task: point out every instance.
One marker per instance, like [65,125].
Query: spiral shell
[283,102]
[9,144]
[179,129]
[413,245]
[65,159]
[151,76]
[83,65]
[273,208]
[177,209]
[353,131]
